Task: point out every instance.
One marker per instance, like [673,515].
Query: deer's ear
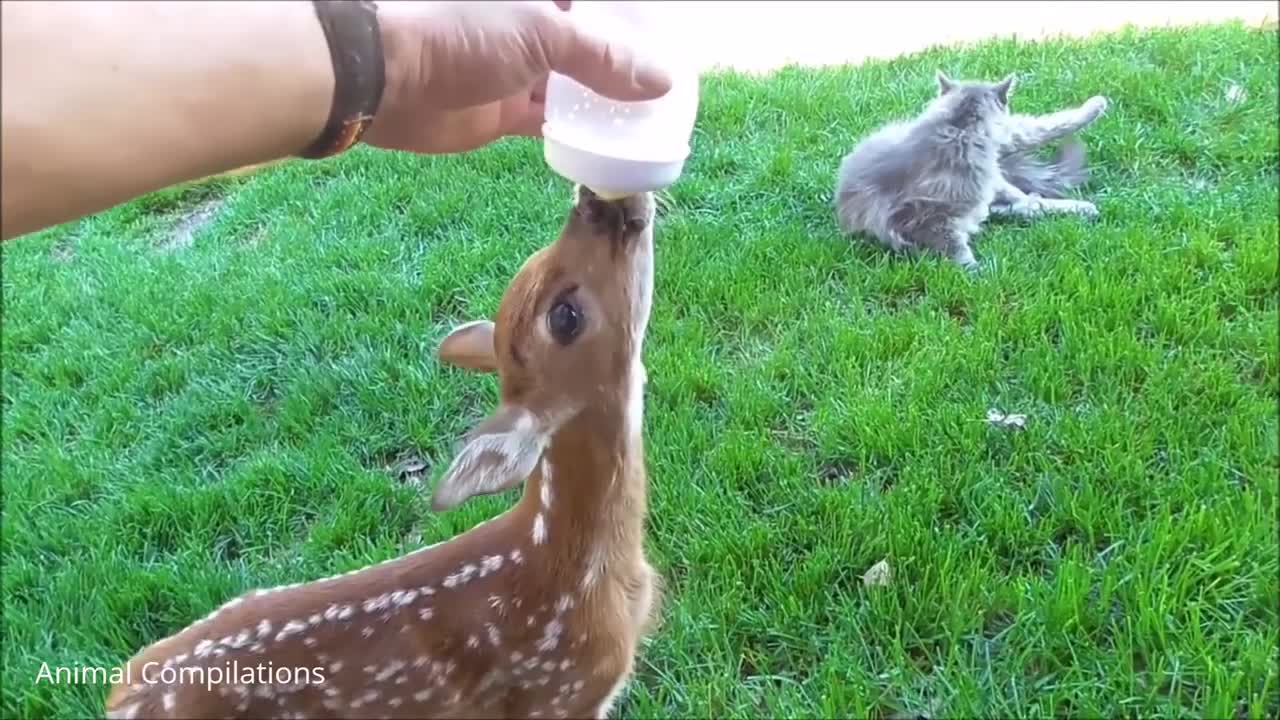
[496,455]
[470,346]
[945,84]
[1004,87]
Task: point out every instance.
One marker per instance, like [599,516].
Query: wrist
[357,56]
[400,55]
[318,81]
[403,57]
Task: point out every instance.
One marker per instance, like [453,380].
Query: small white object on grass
[1010,420]
[879,574]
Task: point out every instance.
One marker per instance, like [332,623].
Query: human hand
[463,74]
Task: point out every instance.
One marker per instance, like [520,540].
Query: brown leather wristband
[359,73]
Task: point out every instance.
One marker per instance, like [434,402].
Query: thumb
[607,67]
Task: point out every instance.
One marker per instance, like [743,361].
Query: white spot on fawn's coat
[377,603]
[490,564]
[392,668]
[545,491]
[291,628]
[461,576]
[550,636]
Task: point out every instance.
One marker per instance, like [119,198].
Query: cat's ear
[1004,87]
[945,84]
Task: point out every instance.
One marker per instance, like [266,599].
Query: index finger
[608,67]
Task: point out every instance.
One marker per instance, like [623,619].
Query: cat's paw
[965,259]
[1095,106]
[1086,209]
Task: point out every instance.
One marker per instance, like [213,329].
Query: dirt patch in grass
[189,222]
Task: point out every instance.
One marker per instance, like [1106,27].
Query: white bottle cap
[617,147]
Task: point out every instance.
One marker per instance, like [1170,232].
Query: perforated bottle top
[628,146]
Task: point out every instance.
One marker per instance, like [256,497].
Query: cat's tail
[1053,179]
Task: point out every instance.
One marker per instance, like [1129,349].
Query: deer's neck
[587,502]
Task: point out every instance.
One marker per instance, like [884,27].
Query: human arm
[106,101]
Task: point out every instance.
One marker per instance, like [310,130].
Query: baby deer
[536,613]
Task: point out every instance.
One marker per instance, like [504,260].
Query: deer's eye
[564,321]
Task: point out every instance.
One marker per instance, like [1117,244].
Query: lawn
[232,385]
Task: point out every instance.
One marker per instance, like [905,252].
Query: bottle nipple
[610,194]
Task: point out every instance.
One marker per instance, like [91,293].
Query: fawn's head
[566,339]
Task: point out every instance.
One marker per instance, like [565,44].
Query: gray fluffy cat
[930,183]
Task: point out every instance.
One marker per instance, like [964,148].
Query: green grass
[185,422]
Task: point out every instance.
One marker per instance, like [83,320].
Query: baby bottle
[619,148]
